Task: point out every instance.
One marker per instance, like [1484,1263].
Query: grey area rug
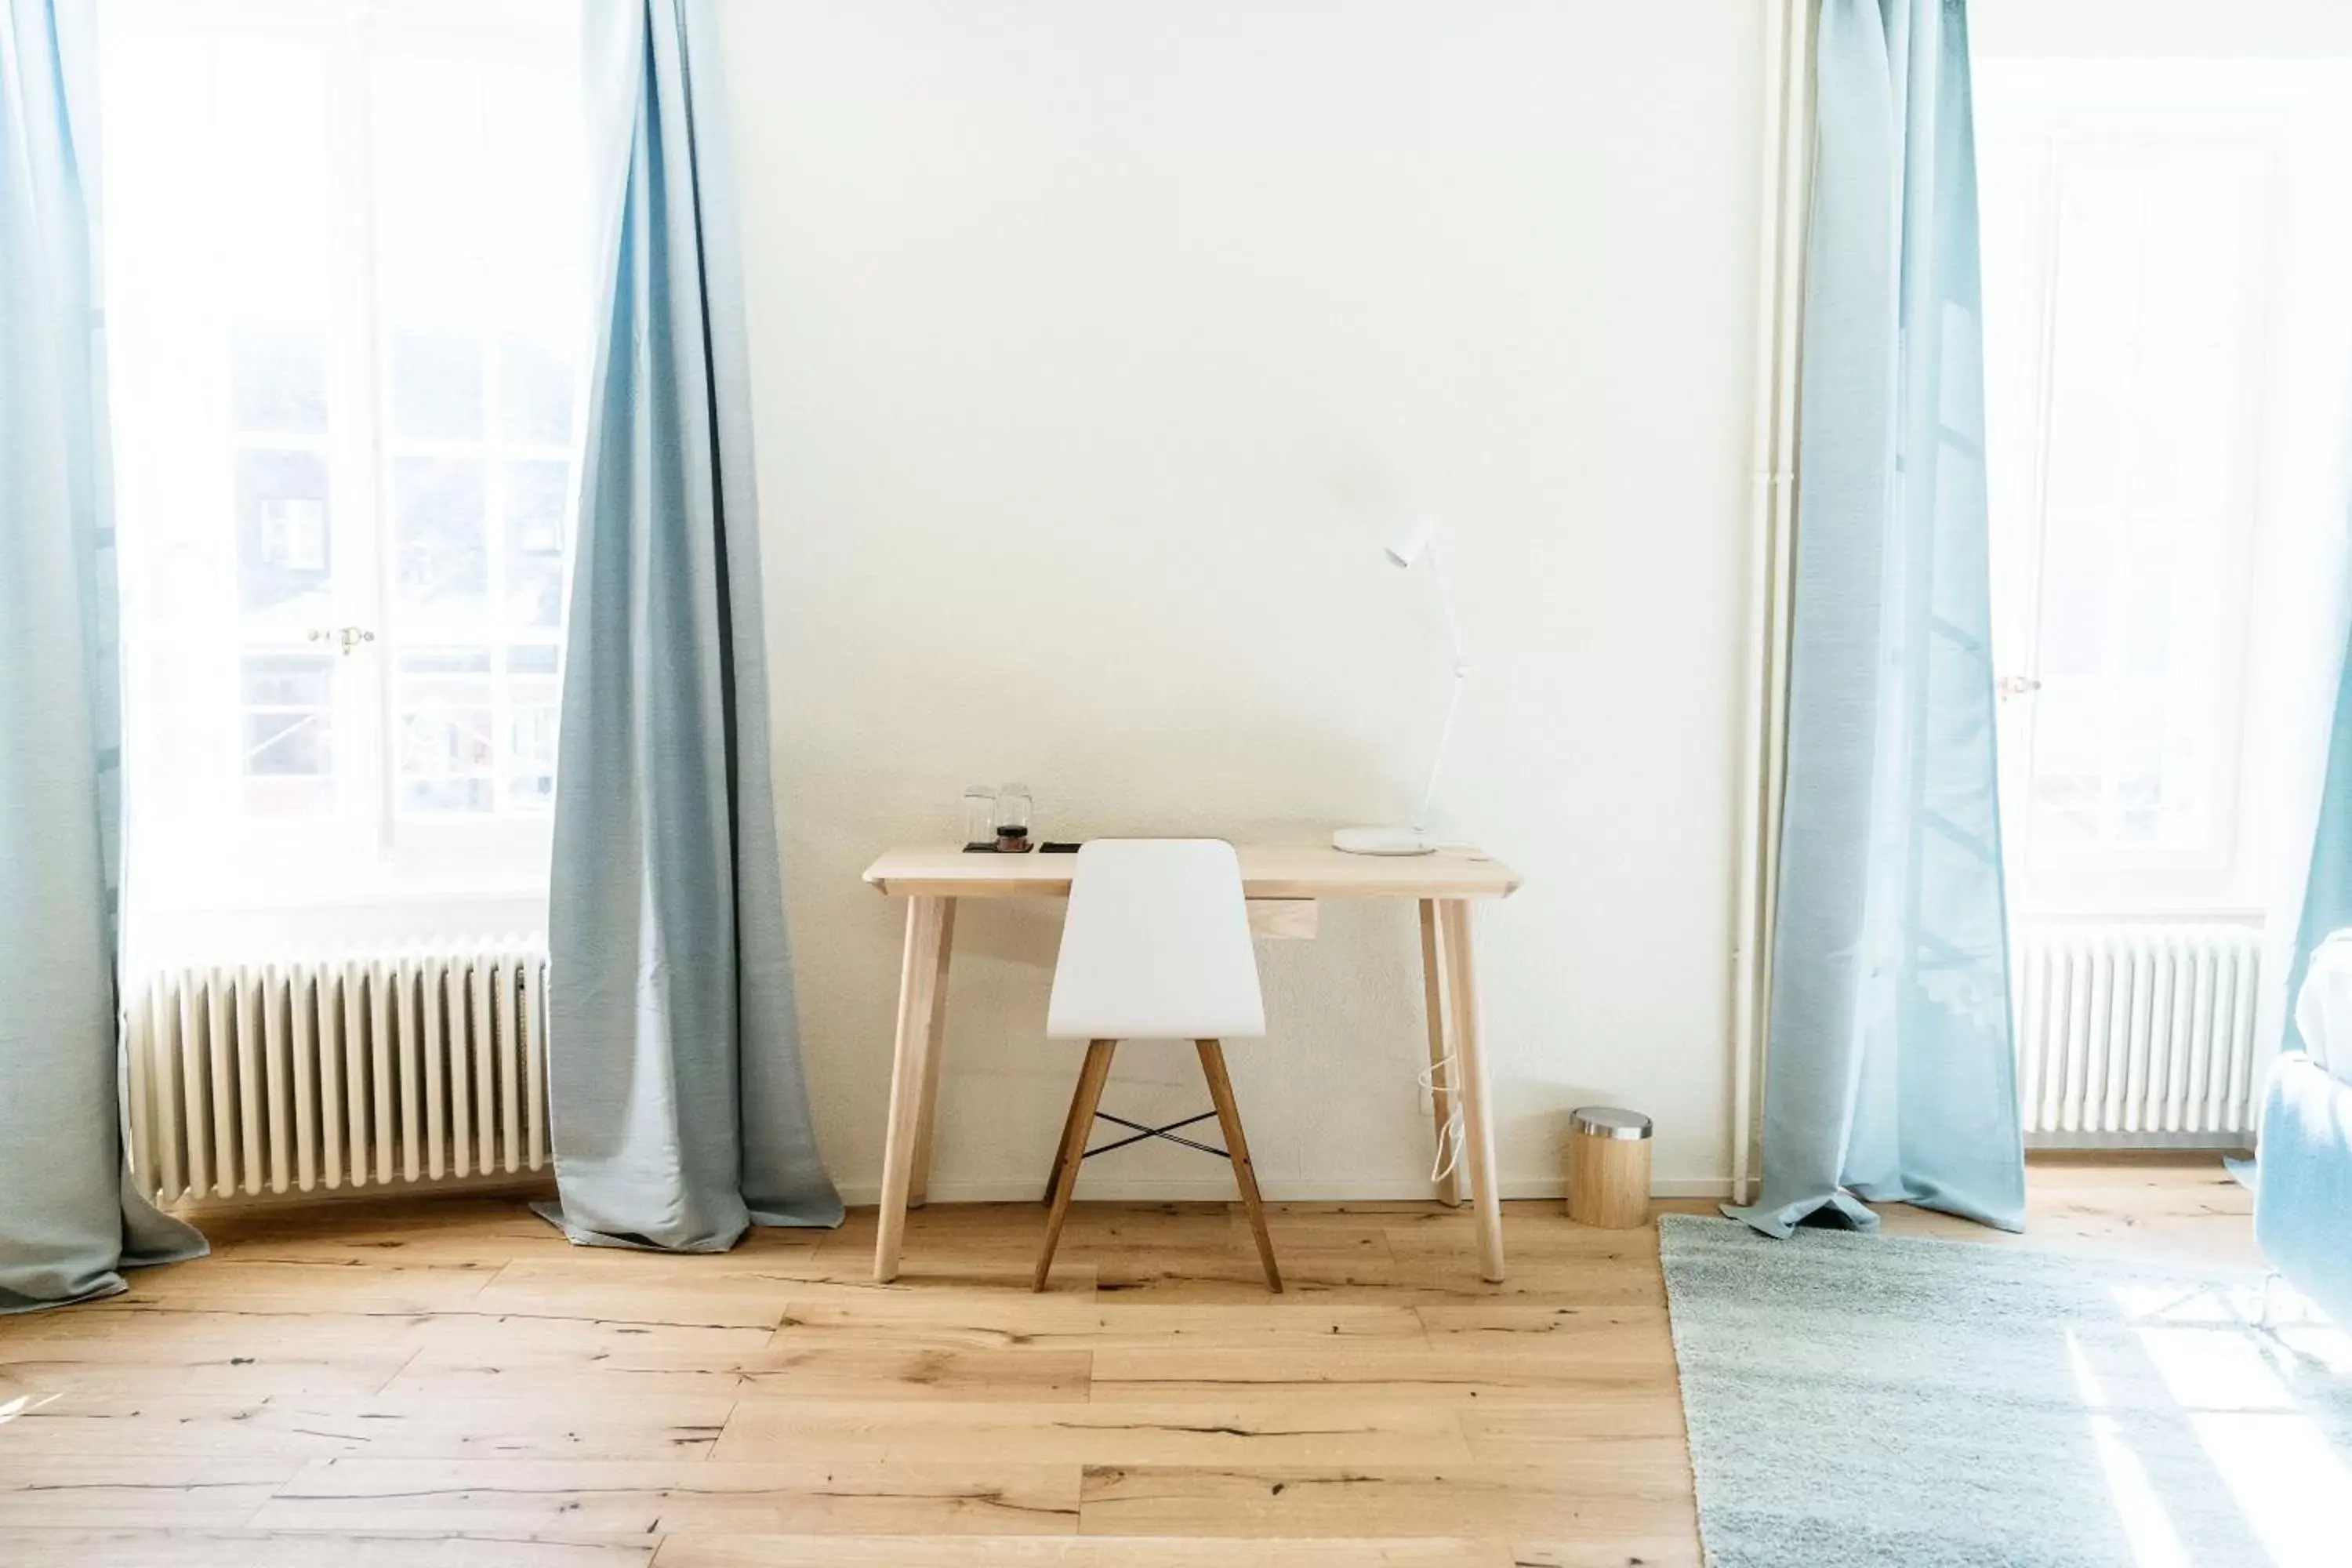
[1859,1399]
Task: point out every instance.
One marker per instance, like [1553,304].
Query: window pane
[445,744]
[288,733]
[436,384]
[290,680]
[284,554]
[530,786]
[444,573]
[285,743]
[531,793]
[278,378]
[266,169]
[2154,794]
[433,174]
[444,796]
[2069,736]
[535,494]
[2146,482]
[534,392]
[2076,603]
[531,711]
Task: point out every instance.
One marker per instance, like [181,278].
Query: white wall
[1096,345]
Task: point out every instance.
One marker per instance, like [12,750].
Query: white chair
[1156,946]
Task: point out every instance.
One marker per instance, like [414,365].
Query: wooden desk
[1444,884]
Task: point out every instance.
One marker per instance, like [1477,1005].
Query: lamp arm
[1453,700]
[1444,734]
[1445,613]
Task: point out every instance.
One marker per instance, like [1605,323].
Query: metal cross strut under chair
[1141,1133]
[1072,1151]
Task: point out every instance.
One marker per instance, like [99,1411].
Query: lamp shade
[1406,547]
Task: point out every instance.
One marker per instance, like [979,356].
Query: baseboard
[1218,1188]
[1717,1187]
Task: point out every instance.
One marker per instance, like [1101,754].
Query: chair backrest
[1156,945]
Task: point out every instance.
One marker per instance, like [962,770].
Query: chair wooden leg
[1091,1079]
[1229,1116]
[1062,1144]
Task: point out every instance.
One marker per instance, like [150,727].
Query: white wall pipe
[1784,146]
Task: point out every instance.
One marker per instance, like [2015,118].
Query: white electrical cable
[1449,1137]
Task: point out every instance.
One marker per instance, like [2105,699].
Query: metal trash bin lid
[1608,1122]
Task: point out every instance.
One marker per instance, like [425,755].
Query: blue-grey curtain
[70,1220]
[1888,1072]
[2327,889]
[680,1114]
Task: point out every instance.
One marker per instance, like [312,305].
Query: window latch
[2016,686]
[348,638]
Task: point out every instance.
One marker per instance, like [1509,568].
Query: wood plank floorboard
[447,1383]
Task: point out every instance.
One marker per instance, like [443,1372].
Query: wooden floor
[449,1384]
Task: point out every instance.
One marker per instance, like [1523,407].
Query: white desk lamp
[1407,547]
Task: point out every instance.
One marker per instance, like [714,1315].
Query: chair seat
[1111,1019]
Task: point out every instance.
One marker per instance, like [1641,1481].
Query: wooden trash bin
[1609,1167]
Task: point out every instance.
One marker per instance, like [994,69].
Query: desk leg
[919,1187]
[1441,1092]
[1478,1122]
[919,973]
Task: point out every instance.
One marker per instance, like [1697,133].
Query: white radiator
[412,1066]
[2137,1034]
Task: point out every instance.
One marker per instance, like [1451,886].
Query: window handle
[2016,685]
[346,637]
